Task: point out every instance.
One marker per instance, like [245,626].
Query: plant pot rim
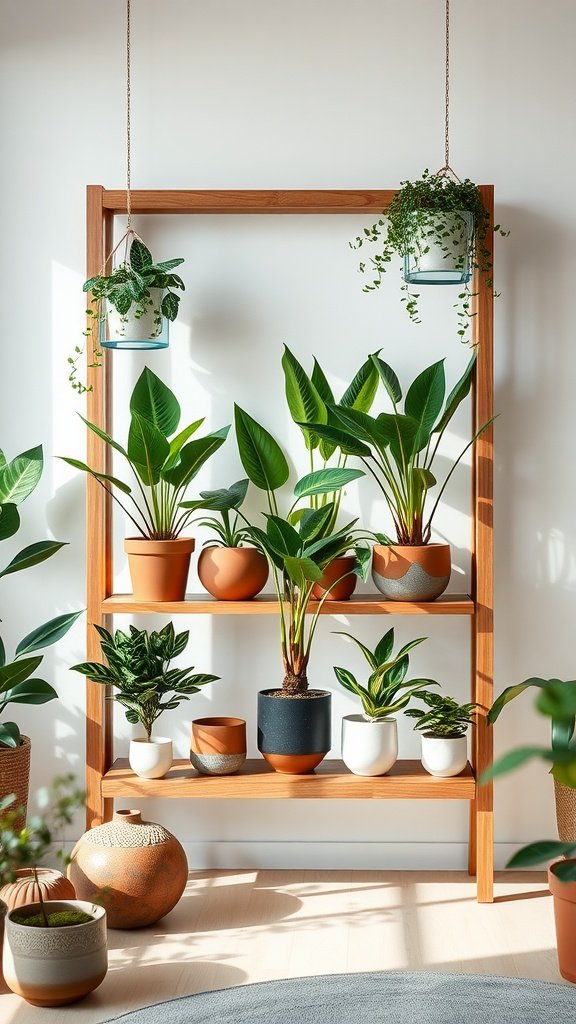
[434,736]
[558,888]
[275,691]
[367,721]
[215,545]
[220,721]
[414,547]
[146,545]
[153,741]
[96,913]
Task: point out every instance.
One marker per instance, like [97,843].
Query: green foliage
[229,531]
[138,666]
[163,465]
[387,690]
[445,718]
[127,288]
[424,213]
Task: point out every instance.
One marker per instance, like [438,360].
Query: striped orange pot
[411,572]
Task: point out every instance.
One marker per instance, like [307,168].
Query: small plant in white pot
[370,740]
[443,727]
[139,668]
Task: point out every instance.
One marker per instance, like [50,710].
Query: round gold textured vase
[136,869]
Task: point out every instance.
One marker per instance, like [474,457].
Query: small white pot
[151,759]
[142,321]
[444,757]
[441,262]
[369,748]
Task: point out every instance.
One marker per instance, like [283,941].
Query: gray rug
[398,997]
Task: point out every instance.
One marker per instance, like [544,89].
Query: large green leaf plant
[19,683]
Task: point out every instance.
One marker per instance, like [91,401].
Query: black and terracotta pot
[411,572]
[564,894]
[338,589]
[294,732]
[159,568]
[232,574]
[218,745]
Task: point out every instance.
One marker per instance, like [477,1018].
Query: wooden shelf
[359,604]
[257,781]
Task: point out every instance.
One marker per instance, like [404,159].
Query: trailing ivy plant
[425,212]
[445,718]
[128,288]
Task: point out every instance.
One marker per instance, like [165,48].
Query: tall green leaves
[387,689]
[262,457]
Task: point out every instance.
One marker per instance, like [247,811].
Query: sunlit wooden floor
[236,927]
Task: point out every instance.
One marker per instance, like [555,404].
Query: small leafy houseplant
[163,461]
[439,227]
[367,750]
[134,300]
[443,726]
[138,668]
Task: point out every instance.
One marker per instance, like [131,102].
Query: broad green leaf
[105,437]
[321,384]
[9,520]
[384,648]
[48,634]
[302,571]
[10,735]
[169,264]
[16,672]
[360,425]
[338,540]
[178,442]
[341,438]
[193,456]
[457,395]
[402,433]
[19,477]
[558,700]
[363,561]
[95,671]
[347,680]
[513,759]
[282,537]
[105,477]
[397,673]
[312,521]
[324,481]
[511,692]
[226,498]
[361,392]
[33,555]
[370,657]
[408,647]
[424,400]
[261,456]
[140,256]
[2,653]
[424,477]
[540,852]
[169,306]
[388,378]
[154,401]
[32,691]
[304,402]
[148,448]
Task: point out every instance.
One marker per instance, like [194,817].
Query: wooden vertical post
[99,733]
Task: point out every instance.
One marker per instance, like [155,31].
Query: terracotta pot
[159,568]
[411,572]
[564,894]
[150,759]
[218,745]
[136,869]
[52,884]
[232,574]
[15,775]
[342,590]
[294,733]
[56,966]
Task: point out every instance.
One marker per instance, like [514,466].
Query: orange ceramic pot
[411,572]
[564,894]
[218,745]
[52,884]
[136,869]
[159,568]
[232,574]
[344,588]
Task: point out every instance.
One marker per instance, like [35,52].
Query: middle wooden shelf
[359,604]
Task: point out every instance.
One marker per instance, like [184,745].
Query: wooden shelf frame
[104,779]
[264,604]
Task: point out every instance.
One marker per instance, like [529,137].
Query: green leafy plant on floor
[387,689]
[163,462]
[446,718]
[138,667]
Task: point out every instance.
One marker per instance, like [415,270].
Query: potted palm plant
[229,568]
[443,726]
[370,740]
[399,449]
[294,721]
[163,461]
[138,667]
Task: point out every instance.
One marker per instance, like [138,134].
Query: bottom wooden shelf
[256,781]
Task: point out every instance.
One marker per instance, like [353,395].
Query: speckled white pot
[369,748]
[444,757]
[151,759]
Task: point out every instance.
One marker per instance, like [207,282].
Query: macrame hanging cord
[446,169]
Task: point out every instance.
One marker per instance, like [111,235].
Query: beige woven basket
[15,773]
[565,798]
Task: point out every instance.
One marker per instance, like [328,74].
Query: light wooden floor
[235,927]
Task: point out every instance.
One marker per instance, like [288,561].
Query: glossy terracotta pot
[53,885]
[564,894]
[444,756]
[159,568]
[411,572]
[137,869]
[344,588]
[369,748]
[15,775]
[218,745]
[150,759]
[294,733]
[232,574]
[56,966]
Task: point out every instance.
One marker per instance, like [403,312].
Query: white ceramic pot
[54,966]
[151,759]
[369,748]
[444,757]
[143,321]
[441,261]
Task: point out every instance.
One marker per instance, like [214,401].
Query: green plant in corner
[445,716]
[138,667]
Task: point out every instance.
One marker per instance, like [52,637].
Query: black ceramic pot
[294,733]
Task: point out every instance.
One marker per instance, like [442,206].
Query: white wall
[325,94]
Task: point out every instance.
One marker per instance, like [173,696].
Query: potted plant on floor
[399,449]
[163,463]
[309,400]
[294,721]
[19,682]
[443,727]
[228,567]
[131,307]
[138,667]
[54,952]
[370,740]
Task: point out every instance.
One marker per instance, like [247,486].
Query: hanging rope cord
[447,169]
[128,125]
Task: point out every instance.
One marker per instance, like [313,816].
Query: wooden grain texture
[359,604]
[251,201]
[257,781]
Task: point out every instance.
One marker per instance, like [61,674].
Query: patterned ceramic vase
[218,745]
[411,572]
[52,884]
[136,869]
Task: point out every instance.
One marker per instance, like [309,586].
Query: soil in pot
[56,919]
[159,568]
[411,572]
[232,574]
[338,589]
[218,745]
[294,730]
